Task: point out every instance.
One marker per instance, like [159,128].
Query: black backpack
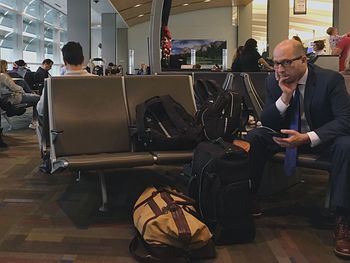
[224,114]
[224,117]
[205,91]
[164,124]
[220,184]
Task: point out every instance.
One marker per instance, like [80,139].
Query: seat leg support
[103,207]
[327,203]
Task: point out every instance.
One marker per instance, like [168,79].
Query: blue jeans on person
[31,99]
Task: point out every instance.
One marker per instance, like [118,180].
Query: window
[31,7]
[30,27]
[12,4]
[63,38]
[30,49]
[44,30]
[51,15]
[8,36]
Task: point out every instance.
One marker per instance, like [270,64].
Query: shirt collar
[303,79]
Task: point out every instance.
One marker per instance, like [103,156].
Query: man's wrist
[285,99]
[306,138]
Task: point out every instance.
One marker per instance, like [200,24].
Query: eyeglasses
[285,62]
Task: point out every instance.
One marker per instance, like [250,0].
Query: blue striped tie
[290,161]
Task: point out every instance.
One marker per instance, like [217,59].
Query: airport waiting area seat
[138,89]
[89,120]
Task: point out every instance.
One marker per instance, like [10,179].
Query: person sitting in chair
[73,58]
[42,73]
[310,105]
[15,94]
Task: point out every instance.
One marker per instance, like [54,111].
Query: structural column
[109,37]
[245,18]
[122,48]
[340,13]
[277,23]
[79,24]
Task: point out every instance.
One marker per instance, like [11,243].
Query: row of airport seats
[86,124]
[87,120]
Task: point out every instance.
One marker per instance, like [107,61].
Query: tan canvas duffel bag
[169,228]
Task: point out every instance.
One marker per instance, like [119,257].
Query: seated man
[312,107]
[73,58]
[42,73]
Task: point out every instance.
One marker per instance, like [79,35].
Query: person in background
[250,59]
[20,68]
[73,59]
[346,70]
[43,72]
[297,38]
[334,37]
[16,94]
[62,70]
[342,49]
[235,67]
[318,47]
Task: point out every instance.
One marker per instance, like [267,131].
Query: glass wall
[8,36]
[31,30]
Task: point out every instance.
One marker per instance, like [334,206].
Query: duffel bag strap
[134,247]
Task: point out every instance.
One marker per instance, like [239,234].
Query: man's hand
[295,139]
[287,87]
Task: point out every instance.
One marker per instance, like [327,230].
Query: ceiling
[138,11]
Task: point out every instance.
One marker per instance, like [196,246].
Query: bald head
[290,60]
[291,46]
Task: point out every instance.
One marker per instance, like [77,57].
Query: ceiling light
[207,1]
[185,4]
[140,15]
[138,5]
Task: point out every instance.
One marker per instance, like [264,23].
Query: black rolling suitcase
[220,184]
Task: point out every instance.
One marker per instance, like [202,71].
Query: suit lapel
[310,88]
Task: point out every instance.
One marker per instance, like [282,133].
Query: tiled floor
[54,218]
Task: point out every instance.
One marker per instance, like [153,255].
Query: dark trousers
[337,152]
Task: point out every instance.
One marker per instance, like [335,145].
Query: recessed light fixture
[207,1]
[185,4]
[140,15]
[138,5]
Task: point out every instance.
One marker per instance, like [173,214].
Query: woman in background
[250,59]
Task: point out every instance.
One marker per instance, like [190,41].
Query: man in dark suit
[42,73]
[323,125]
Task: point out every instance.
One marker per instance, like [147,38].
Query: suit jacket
[326,104]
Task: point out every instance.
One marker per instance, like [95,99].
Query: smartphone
[279,135]
[273,132]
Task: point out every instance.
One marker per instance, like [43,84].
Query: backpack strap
[141,112]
